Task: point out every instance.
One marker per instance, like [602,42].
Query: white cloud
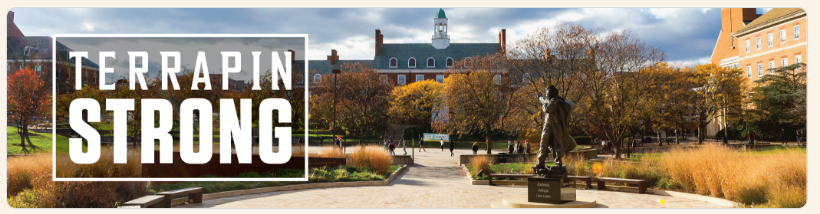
[88,27]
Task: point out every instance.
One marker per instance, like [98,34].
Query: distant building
[405,63]
[35,52]
[756,43]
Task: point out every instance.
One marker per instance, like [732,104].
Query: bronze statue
[555,137]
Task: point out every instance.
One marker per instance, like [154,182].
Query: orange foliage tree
[29,101]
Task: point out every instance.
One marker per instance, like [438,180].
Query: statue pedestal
[547,193]
[549,190]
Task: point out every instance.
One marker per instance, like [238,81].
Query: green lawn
[43,141]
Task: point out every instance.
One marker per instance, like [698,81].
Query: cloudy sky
[687,35]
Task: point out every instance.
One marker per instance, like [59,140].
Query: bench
[587,179]
[148,201]
[641,183]
[194,193]
[508,176]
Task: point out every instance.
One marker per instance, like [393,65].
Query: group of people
[517,148]
[390,146]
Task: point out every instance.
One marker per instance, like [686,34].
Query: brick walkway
[434,182]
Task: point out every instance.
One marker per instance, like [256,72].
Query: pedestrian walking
[518,148]
[783,136]
[526,146]
[421,145]
[751,136]
[392,148]
[452,146]
[510,147]
[475,148]
[385,144]
[404,144]
[442,145]
[798,138]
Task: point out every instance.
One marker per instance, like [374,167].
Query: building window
[383,79]
[749,71]
[771,67]
[411,63]
[419,78]
[449,62]
[798,59]
[8,69]
[782,36]
[771,40]
[440,78]
[95,77]
[759,69]
[299,80]
[431,63]
[468,62]
[58,71]
[785,62]
[757,42]
[747,46]
[796,32]
[317,78]
[394,62]
[38,68]
[497,79]
[526,78]
[401,79]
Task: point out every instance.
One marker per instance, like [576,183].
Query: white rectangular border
[54,106]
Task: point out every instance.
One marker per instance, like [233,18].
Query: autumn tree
[557,56]
[615,92]
[716,90]
[479,98]
[415,103]
[667,94]
[361,97]
[28,102]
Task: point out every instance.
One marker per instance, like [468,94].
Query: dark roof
[422,51]
[773,15]
[62,55]
[324,67]
[41,45]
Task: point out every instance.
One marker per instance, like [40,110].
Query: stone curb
[470,176]
[233,193]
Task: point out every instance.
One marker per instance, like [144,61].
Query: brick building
[757,43]
[35,52]
[405,63]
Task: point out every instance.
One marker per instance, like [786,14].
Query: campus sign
[436,137]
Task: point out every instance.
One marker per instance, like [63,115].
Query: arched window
[317,78]
[468,62]
[431,63]
[497,79]
[449,62]
[394,62]
[411,63]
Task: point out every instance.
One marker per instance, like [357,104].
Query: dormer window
[449,62]
[394,63]
[317,78]
[431,63]
[411,63]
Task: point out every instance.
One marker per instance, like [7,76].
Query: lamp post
[335,89]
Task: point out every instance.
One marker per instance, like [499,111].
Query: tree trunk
[700,132]
[23,138]
[677,139]
[658,132]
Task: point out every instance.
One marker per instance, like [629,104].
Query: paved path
[434,182]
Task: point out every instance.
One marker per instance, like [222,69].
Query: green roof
[440,14]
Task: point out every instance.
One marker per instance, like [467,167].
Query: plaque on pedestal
[549,190]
